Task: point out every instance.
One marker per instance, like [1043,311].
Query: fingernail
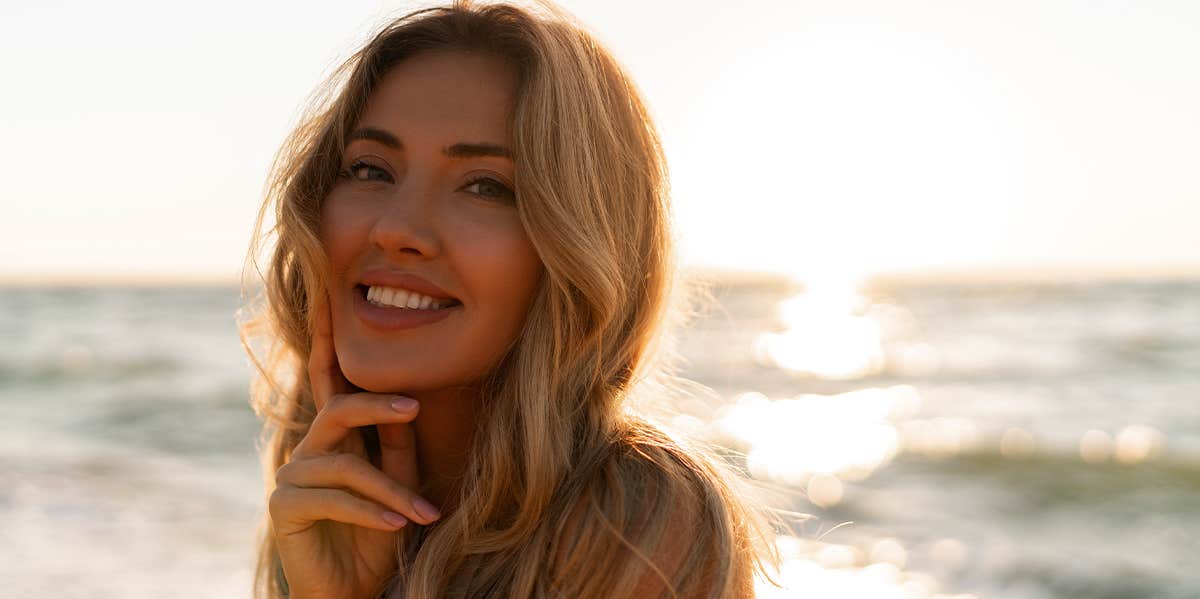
[395,519]
[426,509]
[404,404]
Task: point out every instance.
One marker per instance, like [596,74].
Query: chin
[398,380]
[374,381]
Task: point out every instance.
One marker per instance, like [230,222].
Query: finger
[295,509]
[398,453]
[356,475]
[343,413]
[324,372]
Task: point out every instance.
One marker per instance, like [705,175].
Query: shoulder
[656,513]
[668,561]
[687,491]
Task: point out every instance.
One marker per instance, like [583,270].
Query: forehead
[450,92]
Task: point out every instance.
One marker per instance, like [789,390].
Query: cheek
[504,268]
[342,230]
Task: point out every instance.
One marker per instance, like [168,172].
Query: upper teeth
[403,298]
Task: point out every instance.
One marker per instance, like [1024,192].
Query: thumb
[398,453]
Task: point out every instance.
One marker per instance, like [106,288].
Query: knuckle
[281,474]
[300,451]
[278,502]
[336,403]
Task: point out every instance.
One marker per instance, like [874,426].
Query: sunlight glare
[848,435]
[826,333]
[1139,443]
[817,569]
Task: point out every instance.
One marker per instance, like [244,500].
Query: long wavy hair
[572,485]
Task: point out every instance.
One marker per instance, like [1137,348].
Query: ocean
[932,440]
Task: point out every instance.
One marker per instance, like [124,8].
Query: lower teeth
[405,307]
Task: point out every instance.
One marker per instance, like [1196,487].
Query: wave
[67,367]
[1047,477]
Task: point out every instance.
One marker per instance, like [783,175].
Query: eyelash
[507,193]
[349,174]
[354,166]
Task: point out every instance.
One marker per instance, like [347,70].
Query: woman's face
[426,191]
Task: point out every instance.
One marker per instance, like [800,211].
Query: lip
[403,280]
[394,319]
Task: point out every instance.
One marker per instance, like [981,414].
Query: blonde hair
[571,492]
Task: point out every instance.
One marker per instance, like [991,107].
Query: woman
[471,277]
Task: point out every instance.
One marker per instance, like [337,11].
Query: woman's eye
[362,171]
[490,188]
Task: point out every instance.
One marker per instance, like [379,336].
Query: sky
[807,138]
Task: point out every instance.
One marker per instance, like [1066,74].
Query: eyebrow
[458,150]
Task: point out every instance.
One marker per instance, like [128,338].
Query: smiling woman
[414,198]
[471,278]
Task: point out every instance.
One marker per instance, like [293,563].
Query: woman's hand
[335,515]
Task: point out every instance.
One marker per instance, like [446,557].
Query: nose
[407,224]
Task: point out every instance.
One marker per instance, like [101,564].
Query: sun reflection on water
[1133,444]
[819,444]
[815,569]
[846,436]
[828,332]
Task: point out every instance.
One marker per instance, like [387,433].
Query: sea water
[1008,440]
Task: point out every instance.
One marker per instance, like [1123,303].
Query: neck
[444,429]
